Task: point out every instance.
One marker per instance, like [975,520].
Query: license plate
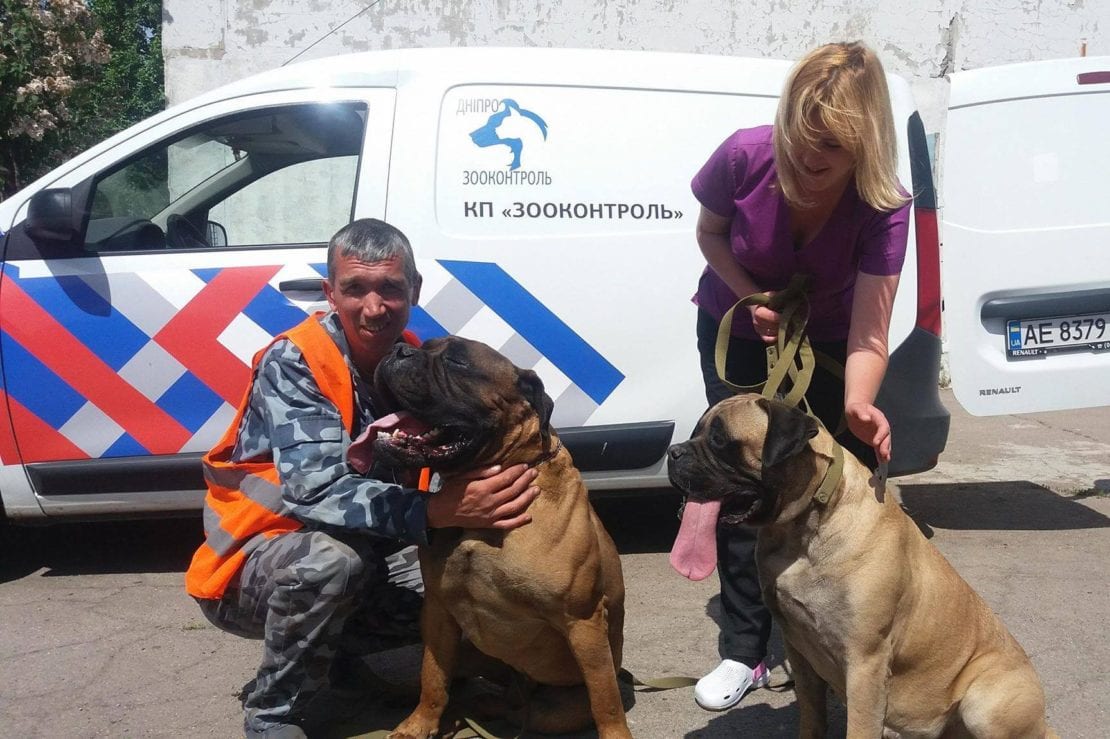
[1035,336]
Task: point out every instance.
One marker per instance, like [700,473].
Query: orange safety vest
[243,505]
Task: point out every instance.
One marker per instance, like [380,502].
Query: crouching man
[300,551]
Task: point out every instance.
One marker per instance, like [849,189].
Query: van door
[1026,223]
[126,354]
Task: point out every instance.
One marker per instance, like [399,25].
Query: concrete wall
[210,42]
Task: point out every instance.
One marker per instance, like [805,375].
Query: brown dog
[867,604]
[547,599]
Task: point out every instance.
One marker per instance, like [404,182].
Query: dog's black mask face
[469,398]
[738,455]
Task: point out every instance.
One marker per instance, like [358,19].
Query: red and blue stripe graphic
[104,366]
[63,345]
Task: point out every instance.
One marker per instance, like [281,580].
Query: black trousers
[745,621]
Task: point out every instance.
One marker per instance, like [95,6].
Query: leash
[651,685]
[790,359]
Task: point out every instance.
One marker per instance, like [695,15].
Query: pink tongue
[361,452]
[694,554]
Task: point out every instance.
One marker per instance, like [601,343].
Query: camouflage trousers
[310,596]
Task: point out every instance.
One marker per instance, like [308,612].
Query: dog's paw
[411,729]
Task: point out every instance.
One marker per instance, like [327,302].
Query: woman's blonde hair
[841,87]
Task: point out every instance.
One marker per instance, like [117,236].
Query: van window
[314,201]
[281,175]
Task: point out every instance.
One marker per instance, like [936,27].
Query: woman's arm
[713,240]
[867,360]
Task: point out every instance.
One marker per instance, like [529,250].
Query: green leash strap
[656,683]
[832,475]
[669,683]
[791,357]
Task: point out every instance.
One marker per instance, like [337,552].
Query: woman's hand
[867,359]
[869,424]
[490,498]
[766,321]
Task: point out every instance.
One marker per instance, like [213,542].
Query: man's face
[373,300]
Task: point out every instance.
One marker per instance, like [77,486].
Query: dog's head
[751,455]
[750,461]
[459,405]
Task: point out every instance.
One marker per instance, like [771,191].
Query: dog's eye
[718,437]
[455,361]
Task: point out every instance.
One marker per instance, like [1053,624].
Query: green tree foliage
[49,53]
[132,84]
[73,72]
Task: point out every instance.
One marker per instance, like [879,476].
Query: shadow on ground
[332,716]
[347,720]
[997,506]
[150,545]
[767,722]
[640,521]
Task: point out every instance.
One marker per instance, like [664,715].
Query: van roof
[1028,80]
[508,65]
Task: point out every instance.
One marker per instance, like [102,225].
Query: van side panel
[571,205]
[546,194]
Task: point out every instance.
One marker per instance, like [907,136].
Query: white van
[1026,232]
[546,193]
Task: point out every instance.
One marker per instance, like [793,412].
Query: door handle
[303,285]
[1048,305]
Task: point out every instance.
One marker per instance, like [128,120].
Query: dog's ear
[788,432]
[531,387]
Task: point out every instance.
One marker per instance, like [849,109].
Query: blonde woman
[816,194]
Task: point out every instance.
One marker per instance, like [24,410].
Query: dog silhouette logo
[494,133]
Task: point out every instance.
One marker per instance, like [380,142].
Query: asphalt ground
[97,638]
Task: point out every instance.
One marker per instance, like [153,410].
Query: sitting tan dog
[867,604]
[547,599]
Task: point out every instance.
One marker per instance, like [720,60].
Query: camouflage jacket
[289,417]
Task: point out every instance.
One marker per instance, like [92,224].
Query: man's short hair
[371,240]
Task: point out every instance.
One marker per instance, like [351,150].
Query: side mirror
[51,216]
[216,234]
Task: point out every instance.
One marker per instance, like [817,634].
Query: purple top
[738,182]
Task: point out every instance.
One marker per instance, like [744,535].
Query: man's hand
[871,427]
[485,499]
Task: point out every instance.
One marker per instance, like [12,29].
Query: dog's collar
[833,473]
[547,455]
